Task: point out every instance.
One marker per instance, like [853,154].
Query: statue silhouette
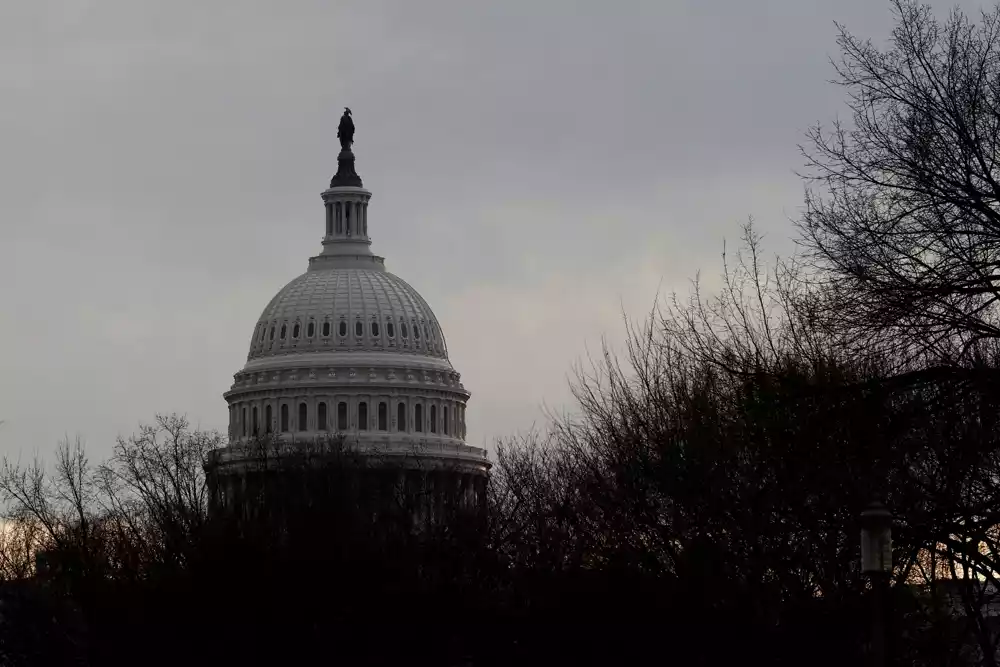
[345,131]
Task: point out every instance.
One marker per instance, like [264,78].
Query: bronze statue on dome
[346,175]
[345,131]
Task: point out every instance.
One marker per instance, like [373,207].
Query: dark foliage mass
[700,506]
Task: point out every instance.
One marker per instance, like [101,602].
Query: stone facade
[348,349]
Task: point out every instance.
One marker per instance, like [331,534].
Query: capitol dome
[350,310]
[348,348]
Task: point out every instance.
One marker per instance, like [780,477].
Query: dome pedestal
[280,476]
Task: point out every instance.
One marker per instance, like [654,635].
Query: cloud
[535,167]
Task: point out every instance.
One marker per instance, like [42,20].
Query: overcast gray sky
[536,166]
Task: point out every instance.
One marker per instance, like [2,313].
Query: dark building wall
[286,484]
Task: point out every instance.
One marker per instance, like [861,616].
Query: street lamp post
[876,562]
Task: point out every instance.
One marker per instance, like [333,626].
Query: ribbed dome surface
[347,309]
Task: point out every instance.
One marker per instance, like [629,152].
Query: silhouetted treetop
[903,220]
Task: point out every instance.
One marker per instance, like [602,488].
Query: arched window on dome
[341,416]
[375,330]
[268,425]
[321,416]
[284,330]
[444,419]
[272,332]
[434,419]
[340,220]
[362,416]
[243,422]
[263,332]
[295,331]
[347,218]
[402,329]
[303,416]
[343,328]
[310,329]
[359,329]
[390,330]
[284,417]
[416,331]
[401,417]
[418,418]
[326,329]
[256,424]
[383,416]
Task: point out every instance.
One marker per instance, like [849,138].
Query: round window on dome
[359,329]
[374,329]
[402,329]
[326,329]
[311,330]
[343,328]
[390,330]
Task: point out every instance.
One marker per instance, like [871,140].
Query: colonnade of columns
[347,219]
[333,413]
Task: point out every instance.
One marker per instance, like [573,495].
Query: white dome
[347,310]
[349,348]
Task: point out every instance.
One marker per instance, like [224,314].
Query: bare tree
[56,510]
[729,450]
[902,225]
[154,492]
